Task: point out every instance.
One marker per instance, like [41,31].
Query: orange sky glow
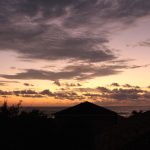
[53,57]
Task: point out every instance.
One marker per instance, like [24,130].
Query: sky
[62,52]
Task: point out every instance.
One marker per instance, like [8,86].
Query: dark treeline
[22,130]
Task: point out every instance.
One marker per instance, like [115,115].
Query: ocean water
[125,111]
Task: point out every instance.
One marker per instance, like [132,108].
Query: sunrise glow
[62,54]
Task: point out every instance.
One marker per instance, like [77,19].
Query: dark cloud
[127,86]
[46,92]
[130,86]
[115,84]
[90,71]
[146,95]
[137,87]
[5,83]
[36,40]
[99,93]
[110,10]
[65,29]
[32,96]
[28,84]
[42,75]
[117,94]
[24,92]
[85,90]
[27,93]
[70,95]
[72,84]
[78,84]
[92,96]
[126,94]
[139,66]
[133,93]
[57,82]
[70,30]
[144,43]
[103,89]
[13,68]
[56,8]
[78,72]
[50,47]
[5,93]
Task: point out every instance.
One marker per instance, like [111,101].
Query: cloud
[5,93]
[132,93]
[90,71]
[42,75]
[78,72]
[36,39]
[54,30]
[27,93]
[73,84]
[115,84]
[117,94]
[32,96]
[98,94]
[144,43]
[103,89]
[146,95]
[67,85]
[139,66]
[92,95]
[28,84]
[57,83]
[126,94]
[70,30]
[24,92]
[85,90]
[46,92]
[70,95]
[5,83]
[130,86]
[127,86]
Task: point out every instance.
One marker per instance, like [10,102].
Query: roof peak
[86,108]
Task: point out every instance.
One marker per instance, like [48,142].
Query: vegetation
[35,130]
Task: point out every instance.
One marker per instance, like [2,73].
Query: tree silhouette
[10,111]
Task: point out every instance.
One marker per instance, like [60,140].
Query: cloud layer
[77,72]
[99,94]
[75,31]
[65,29]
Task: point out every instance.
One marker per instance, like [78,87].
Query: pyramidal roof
[86,108]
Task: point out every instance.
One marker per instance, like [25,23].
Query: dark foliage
[34,130]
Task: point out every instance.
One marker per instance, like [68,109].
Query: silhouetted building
[79,125]
[87,115]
